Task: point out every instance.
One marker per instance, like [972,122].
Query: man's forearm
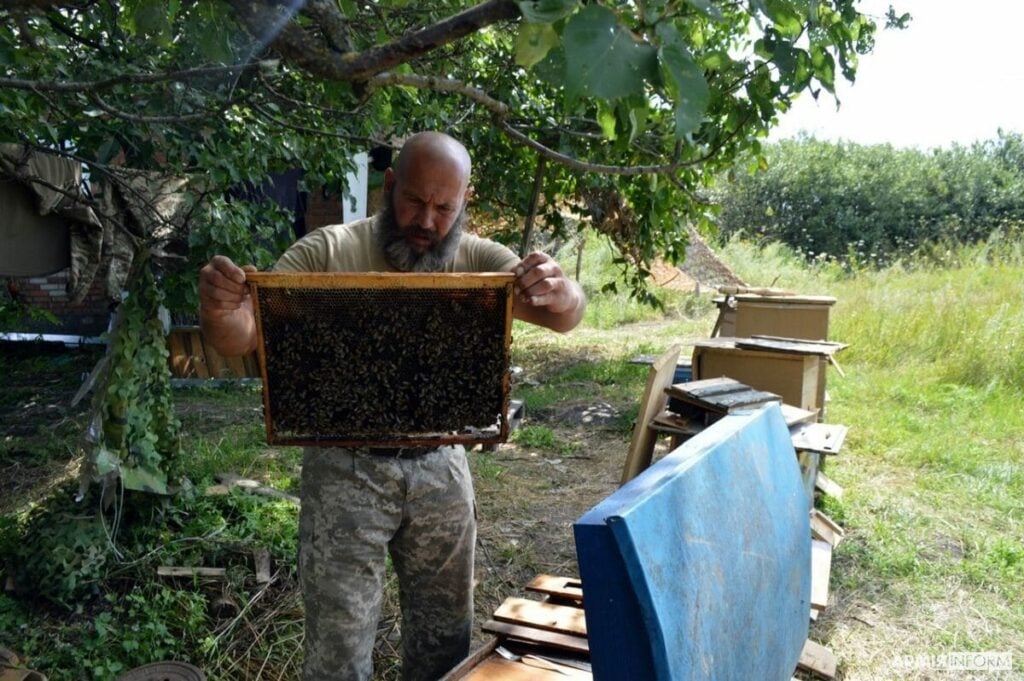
[231,334]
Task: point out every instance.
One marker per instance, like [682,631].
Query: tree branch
[131,78]
[309,131]
[294,45]
[60,27]
[584,166]
[331,22]
[495,106]
[171,120]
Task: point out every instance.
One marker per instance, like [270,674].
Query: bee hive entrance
[384,359]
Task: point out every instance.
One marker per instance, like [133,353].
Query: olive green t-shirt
[352,247]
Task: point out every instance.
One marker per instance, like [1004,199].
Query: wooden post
[531,214]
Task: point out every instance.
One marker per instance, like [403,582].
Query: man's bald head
[436,149]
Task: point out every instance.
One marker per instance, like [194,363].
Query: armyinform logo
[982,661]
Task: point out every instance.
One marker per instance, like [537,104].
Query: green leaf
[106,461]
[603,59]
[785,58]
[546,11]
[788,21]
[534,42]
[606,118]
[144,480]
[691,89]
[637,121]
[824,67]
[153,19]
[707,8]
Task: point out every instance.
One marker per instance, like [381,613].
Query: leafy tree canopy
[633,107]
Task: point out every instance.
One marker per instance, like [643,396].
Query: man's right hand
[222,288]
[225,309]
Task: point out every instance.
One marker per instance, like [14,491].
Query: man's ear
[389,179]
[467,195]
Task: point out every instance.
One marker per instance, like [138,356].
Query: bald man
[360,505]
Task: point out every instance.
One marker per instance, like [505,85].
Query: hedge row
[872,203]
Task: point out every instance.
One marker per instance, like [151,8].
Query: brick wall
[322,210]
[89,317]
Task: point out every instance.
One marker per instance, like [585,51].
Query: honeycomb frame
[400,360]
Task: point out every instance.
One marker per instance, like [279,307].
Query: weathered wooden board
[796,415]
[570,642]
[560,587]
[818,659]
[780,344]
[676,424]
[723,397]
[641,446]
[699,568]
[828,486]
[825,529]
[497,668]
[559,618]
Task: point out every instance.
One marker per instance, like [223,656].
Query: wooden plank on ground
[254,486]
[497,668]
[558,618]
[826,438]
[562,587]
[641,447]
[465,669]
[261,560]
[192,572]
[825,529]
[826,485]
[818,660]
[821,568]
[570,642]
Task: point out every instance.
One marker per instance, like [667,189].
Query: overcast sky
[955,75]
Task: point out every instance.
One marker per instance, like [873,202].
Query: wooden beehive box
[747,314]
[795,377]
[374,359]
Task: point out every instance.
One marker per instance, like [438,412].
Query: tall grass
[962,319]
[934,462]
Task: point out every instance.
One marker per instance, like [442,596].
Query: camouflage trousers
[356,508]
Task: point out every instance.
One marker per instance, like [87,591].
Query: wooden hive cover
[394,360]
[700,567]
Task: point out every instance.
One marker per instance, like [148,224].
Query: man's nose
[427,218]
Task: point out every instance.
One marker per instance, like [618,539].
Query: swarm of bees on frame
[375,363]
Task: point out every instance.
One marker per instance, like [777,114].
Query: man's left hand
[556,301]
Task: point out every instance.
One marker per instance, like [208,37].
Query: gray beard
[403,257]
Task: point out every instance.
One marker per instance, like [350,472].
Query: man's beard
[403,257]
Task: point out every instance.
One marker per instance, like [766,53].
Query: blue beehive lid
[699,568]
